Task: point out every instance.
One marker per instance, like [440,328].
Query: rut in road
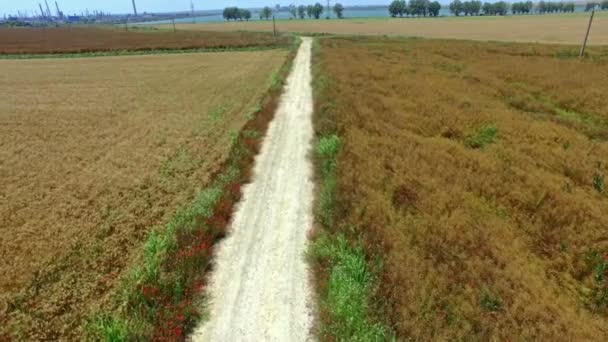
[260,288]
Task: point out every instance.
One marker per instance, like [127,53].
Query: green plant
[110,329]
[327,149]
[598,182]
[482,137]
[348,289]
[490,301]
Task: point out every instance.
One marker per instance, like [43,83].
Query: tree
[245,14]
[233,13]
[338,9]
[419,7]
[487,8]
[591,5]
[501,8]
[472,7]
[397,8]
[317,10]
[475,7]
[266,13]
[456,7]
[302,11]
[569,7]
[310,10]
[605,5]
[434,8]
[293,11]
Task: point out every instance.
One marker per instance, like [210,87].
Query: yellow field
[94,153]
[560,29]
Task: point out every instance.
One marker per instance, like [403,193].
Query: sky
[124,6]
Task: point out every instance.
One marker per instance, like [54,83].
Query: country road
[259,289]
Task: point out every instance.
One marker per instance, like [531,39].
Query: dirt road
[260,289]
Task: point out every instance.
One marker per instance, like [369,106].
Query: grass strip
[160,298]
[346,277]
[138,52]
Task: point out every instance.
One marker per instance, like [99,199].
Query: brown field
[477,172]
[79,39]
[562,29]
[96,152]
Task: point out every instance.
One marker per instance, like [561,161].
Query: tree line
[414,8]
[235,13]
[458,7]
[314,11]
[595,5]
[311,11]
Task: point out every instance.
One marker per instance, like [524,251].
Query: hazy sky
[124,6]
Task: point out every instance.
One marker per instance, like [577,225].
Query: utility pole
[192,10]
[42,11]
[582,53]
[328,10]
[173,20]
[274,27]
[134,8]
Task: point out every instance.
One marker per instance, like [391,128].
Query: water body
[381,12]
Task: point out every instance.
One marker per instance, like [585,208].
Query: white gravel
[260,288]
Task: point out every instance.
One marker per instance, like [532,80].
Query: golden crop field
[476,172]
[96,152]
[562,29]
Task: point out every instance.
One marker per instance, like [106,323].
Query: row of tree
[458,7]
[555,7]
[591,5]
[235,13]
[314,11]
[414,7]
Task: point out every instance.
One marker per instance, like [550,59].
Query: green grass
[482,137]
[347,298]
[135,53]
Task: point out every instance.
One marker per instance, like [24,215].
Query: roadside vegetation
[462,185]
[137,170]
[82,40]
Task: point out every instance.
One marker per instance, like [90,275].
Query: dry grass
[477,172]
[80,40]
[563,29]
[94,154]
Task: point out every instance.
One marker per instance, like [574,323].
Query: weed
[327,150]
[217,114]
[483,137]
[112,329]
[567,54]
[348,288]
[598,182]
[490,302]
